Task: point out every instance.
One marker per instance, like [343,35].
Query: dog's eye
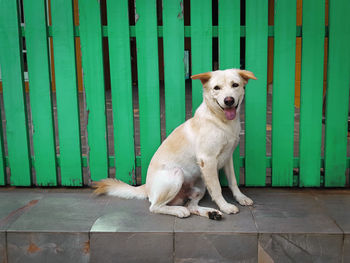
[235,85]
[216,87]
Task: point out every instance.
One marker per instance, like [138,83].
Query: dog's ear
[203,77]
[246,75]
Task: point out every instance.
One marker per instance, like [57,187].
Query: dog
[188,160]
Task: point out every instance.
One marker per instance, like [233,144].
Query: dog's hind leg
[196,195]
[164,189]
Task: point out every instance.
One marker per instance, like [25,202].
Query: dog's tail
[120,189]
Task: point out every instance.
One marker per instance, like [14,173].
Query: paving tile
[300,248]
[48,247]
[3,257]
[346,248]
[131,216]
[216,247]
[131,247]
[233,239]
[337,206]
[57,212]
[127,232]
[14,203]
[242,222]
[290,211]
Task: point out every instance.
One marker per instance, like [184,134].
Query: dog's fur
[187,162]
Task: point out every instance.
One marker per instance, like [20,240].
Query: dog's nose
[229,101]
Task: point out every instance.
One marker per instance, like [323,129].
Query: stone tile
[290,211]
[48,247]
[233,239]
[131,247]
[300,248]
[346,248]
[131,216]
[215,247]
[14,203]
[337,206]
[242,222]
[127,231]
[3,257]
[57,212]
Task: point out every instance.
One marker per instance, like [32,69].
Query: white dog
[187,162]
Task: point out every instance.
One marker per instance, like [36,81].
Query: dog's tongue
[230,113]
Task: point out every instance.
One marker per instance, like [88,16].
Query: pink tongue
[230,113]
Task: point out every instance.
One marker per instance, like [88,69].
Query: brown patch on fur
[202,164]
[176,141]
[203,77]
[103,186]
[33,248]
[246,75]
[195,126]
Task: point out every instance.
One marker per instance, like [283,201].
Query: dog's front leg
[210,176]
[232,183]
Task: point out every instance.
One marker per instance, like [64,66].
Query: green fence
[49,160]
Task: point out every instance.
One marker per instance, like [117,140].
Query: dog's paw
[229,209]
[244,200]
[215,215]
[183,212]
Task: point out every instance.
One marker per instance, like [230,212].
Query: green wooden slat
[283,93]
[229,50]
[92,63]
[3,179]
[13,94]
[121,86]
[66,92]
[311,98]
[201,45]
[40,92]
[148,80]
[255,98]
[229,34]
[174,68]
[337,94]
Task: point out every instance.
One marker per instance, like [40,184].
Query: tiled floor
[284,225]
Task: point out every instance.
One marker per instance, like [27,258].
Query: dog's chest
[227,151]
[229,142]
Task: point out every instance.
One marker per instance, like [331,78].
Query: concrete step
[71,225]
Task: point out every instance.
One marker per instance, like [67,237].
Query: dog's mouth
[230,112]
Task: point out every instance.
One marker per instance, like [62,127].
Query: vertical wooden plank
[3,177]
[311,91]
[66,92]
[92,62]
[229,33]
[121,87]
[174,68]
[283,93]
[229,48]
[148,80]
[40,92]
[201,45]
[256,92]
[337,94]
[13,93]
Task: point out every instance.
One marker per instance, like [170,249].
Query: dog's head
[223,90]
